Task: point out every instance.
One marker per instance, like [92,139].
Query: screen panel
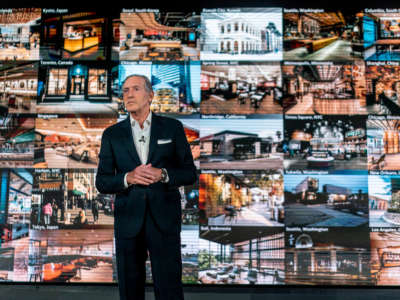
[291,115]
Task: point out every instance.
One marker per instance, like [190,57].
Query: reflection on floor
[218,105]
[338,107]
[320,215]
[76,107]
[310,105]
[21,253]
[101,273]
[304,106]
[92,53]
[252,216]
[55,160]
[338,50]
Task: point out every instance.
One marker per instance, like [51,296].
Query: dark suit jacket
[118,156]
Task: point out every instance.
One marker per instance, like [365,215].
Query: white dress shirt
[141,139]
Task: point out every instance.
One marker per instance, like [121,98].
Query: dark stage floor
[110,292]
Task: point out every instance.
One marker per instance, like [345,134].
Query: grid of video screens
[292,116]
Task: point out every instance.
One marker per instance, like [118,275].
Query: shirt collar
[146,123]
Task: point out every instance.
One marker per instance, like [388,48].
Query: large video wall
[292,115]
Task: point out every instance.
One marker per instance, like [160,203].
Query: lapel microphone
[142,139]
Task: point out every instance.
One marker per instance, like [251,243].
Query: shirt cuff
[126,182]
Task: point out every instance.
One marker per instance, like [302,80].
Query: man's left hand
[156,172]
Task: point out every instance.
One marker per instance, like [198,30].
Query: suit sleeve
[108,181]
[184,171]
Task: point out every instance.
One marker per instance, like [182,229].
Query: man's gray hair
[147,82]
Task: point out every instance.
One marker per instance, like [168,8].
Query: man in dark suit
[143,160]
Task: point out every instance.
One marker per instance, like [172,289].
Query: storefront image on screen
[19,34]
[71,256]
[334,256]
[383,143]
[69,142]
[383,88]
[13,252]
[325,143]
[384,200]
[385,256]
[66,198]
[247,198]
[323,35]
[233,88]
[248,34]
[176,86]
[19,190]
[77,88]
[241,144]
[159,36]
[16,141]
[79,35]
[326,200]
[241,255]
[18,87]
[326,88]
[381,36]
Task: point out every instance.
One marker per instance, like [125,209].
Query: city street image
[68,199]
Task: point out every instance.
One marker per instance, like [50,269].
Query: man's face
[136,98]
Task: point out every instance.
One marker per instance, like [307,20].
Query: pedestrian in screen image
[95,210]
[144,160]
[47,212]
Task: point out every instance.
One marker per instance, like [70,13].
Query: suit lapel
[155,130]
[127,140]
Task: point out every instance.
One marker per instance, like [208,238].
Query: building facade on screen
[243,34]
[328,256]
[67,87]
[326,200]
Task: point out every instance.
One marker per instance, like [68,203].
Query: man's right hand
[141,175]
